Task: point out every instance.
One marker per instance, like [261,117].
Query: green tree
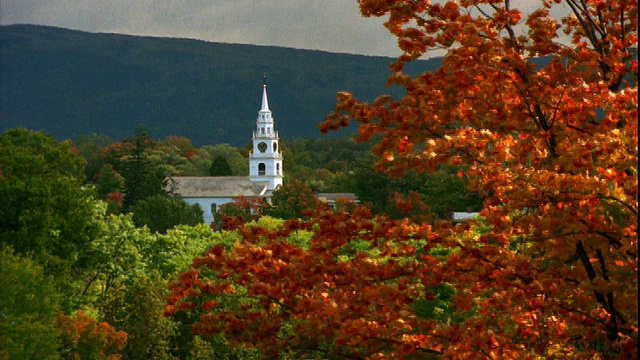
[116,256]
[161,212]
[326,164]
[207,154]
[90,149]
[341,182]
[137,308]
[107,181]
[172,155]
[442,191]
[220,167]
[28,305]
[173,252]
[292,201]
[142,179]
[45,210]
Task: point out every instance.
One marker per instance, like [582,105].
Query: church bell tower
[265,160]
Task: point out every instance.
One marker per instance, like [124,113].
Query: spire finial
[264,78]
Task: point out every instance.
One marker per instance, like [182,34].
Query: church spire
[265,102]
[265,161]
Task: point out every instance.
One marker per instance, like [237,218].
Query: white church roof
[216,186]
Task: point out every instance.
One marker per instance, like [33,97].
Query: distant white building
[265,172]
[462,216]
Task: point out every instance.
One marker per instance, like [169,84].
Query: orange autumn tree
[540,112]
[83,337]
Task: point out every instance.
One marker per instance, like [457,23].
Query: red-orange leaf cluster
[545,129]
[84,338]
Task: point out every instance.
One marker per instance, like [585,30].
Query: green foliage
[160,213]
[173,154]
[138,162]
[141,178]
[292,201]
[235,160]
[299,238]
[438,304]
[220,167]
[173,252]
[107,180]
[132,270]
[325,165]
[218,348]
[45,210]
[351,248]
[28,305]
[90,149]
[176,158]
[137,308]
[116,256]
[442,191]
[268,222]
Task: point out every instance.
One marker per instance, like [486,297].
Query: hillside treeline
[138,165]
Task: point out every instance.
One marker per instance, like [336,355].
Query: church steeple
[265,101]
[265,161]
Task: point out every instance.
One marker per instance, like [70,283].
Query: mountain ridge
[71,83]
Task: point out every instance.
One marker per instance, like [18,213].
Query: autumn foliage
[84,338]
[540,112]
[237,213]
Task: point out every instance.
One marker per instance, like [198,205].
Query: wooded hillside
[71,83]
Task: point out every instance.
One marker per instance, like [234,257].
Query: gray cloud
[330,25]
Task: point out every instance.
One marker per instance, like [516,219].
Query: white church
[265,172]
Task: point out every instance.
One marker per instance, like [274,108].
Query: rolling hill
[70,84]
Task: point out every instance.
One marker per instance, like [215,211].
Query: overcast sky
[330,25]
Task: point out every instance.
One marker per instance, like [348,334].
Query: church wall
[205,205]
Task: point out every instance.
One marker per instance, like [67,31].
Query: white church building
[265,172]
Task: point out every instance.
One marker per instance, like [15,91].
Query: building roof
[328,197]
[216,186]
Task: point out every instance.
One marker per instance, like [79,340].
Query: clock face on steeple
[262,147]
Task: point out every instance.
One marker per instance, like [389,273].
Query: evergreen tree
[160,213]
[142,180]
[220,167]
